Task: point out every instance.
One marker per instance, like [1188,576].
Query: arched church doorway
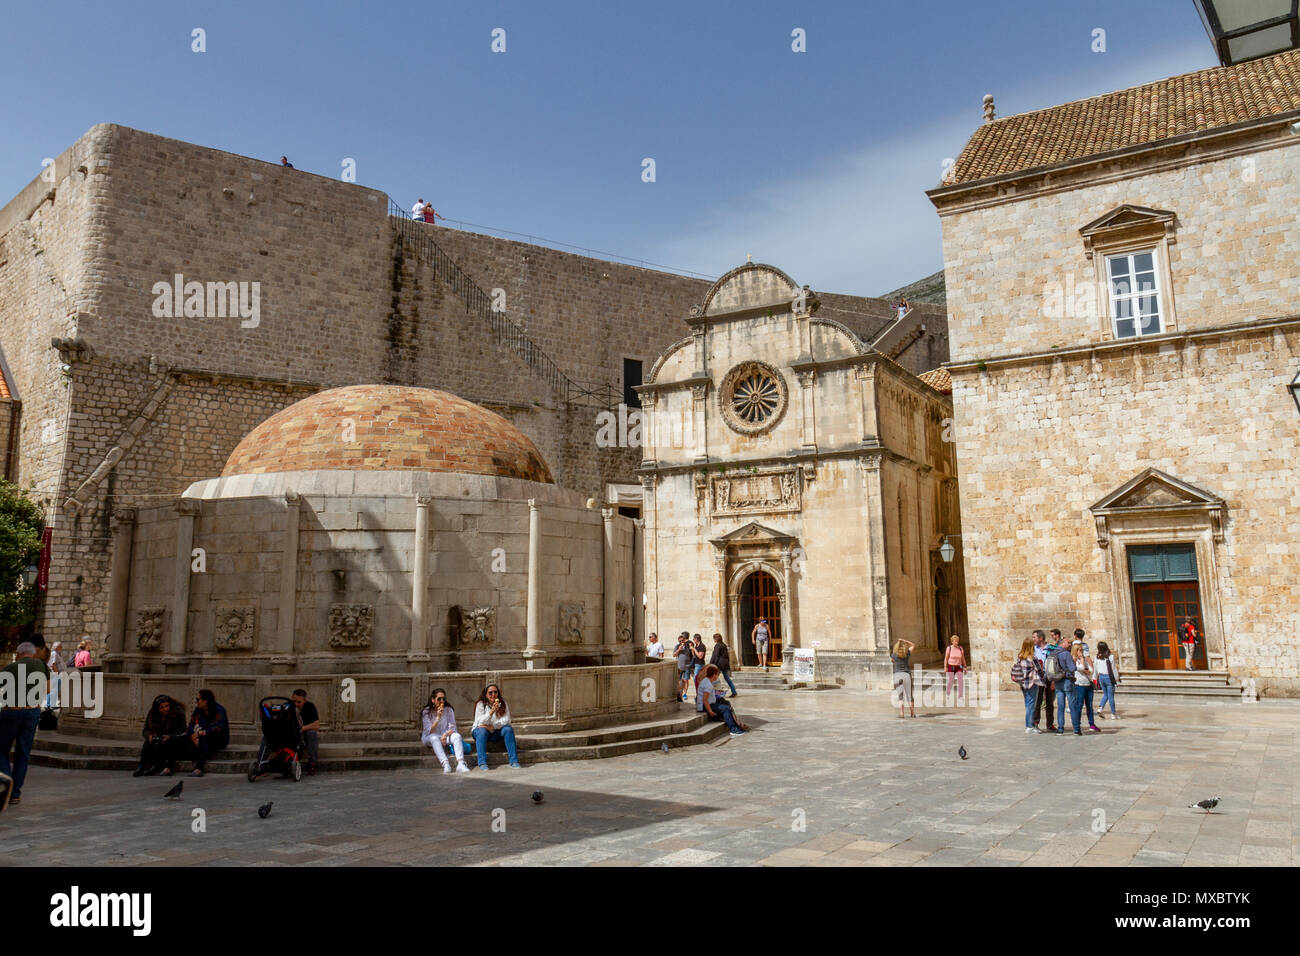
[759,599]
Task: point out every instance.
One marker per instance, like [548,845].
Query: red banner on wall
[43,568]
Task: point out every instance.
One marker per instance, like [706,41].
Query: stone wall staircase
[507,332]
[683,729]
[1181,686]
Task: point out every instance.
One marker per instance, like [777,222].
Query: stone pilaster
[419,650]
[123,524]
[534,648]
[609,587]
[187,509]
[282,653]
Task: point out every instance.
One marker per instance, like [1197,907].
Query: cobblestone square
[830,778]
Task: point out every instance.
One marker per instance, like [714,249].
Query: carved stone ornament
[351,625]
[752,398]
[235,627]
[571,618]
[149,627]
[773,492]
[478,625]
[623,620]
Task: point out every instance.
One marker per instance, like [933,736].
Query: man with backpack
[1045,691]
[1060,671]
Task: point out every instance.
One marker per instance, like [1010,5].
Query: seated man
[709,701]
[310,728]
[209,730]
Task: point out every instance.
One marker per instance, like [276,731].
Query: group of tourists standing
[1064,672]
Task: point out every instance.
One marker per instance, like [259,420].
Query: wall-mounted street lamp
[30,574]
[1246,29]
[1295,390]
[946,550]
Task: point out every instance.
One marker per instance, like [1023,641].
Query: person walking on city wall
[721,659]
[1108,677]
[1060,670]
[492,722]
[23,682]
[761,636]
[901,657]
[431,215]
[417,211]
[1046,692]
[954,659]
[709,701]
[1028,673]
[438,726]
[684,654]
[1084,673]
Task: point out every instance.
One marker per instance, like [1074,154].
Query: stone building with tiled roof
[1122,276]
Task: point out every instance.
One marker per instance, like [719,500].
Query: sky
[814,161]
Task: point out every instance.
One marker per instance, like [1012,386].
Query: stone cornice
[736,468]
[1123,345]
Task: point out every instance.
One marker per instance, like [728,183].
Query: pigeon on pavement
[961,752]
[264,810]
[665,748]
[1206,805]
[175,792]
[537,796]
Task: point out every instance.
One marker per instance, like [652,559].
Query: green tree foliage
[21,522]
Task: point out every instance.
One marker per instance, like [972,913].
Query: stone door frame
[739,554]
[1196,518]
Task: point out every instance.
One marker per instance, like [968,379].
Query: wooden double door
[1165,594]
[759,599]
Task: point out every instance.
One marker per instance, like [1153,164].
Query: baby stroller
[282,742]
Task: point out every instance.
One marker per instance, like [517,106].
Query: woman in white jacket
[492,722]
[438,722]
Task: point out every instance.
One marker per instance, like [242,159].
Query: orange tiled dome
[388,428]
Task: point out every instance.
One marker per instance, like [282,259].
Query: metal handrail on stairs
[507,331]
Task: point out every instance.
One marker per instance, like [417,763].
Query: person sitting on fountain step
[438,722]
[164,738]
[492,722]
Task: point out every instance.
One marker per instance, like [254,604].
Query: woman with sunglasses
[438,721]
[492,722]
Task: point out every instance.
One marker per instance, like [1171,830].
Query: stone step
[73,753]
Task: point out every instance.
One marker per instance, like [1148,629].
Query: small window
[1134,294]
[631,379]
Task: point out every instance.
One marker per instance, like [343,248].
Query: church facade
[795,474]
[1122,278]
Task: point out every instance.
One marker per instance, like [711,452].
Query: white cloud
[861,223]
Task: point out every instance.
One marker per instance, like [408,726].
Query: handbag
[48,720]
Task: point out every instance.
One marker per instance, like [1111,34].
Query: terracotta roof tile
[1190,103]
[938,379]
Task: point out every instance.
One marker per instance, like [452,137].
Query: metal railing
[480,303]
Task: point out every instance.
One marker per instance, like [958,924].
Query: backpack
[1018,672]
[1055,671]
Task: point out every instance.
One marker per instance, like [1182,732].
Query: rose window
[752,397]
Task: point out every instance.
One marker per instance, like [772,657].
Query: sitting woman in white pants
[439,731]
